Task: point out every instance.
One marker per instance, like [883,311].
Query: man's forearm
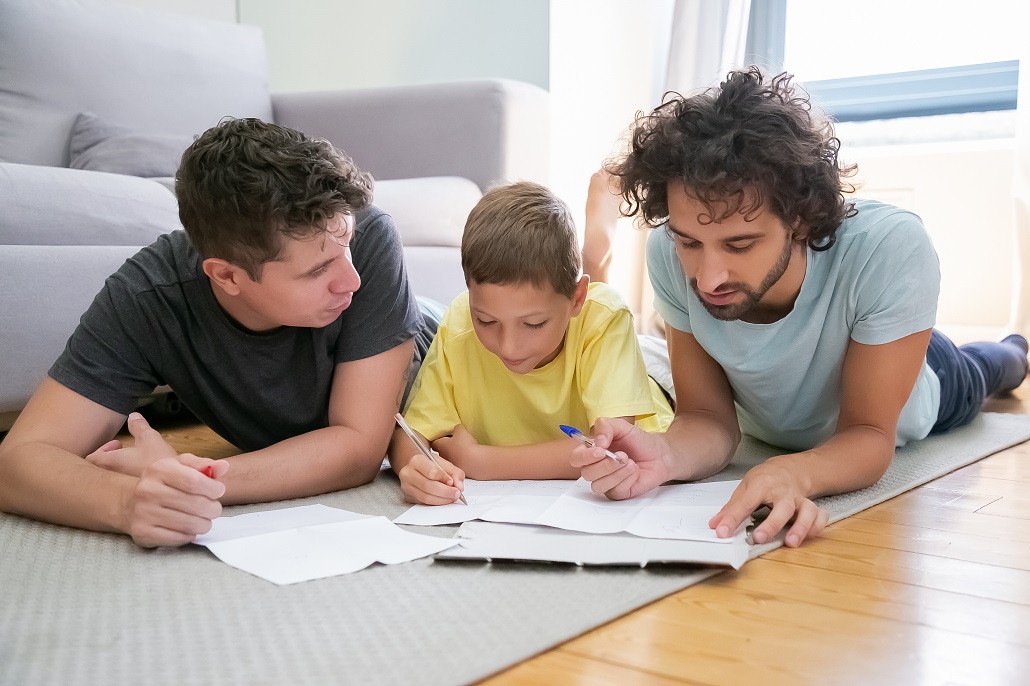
[854,458]
[44,482]
[321,461]
[701,445]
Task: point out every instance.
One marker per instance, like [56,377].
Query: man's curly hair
[245,186]
[745,145]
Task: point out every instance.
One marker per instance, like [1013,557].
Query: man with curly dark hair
[282,317]
[792,314]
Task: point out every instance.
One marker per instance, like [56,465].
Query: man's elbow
[354,471]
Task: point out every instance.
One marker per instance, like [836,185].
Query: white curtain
[1020,318]
[707,39]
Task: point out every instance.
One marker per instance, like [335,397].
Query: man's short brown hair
[245,185]
[521,233]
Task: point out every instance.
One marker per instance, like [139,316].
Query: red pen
[208,471]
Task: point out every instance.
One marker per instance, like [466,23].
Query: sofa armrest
[485,131]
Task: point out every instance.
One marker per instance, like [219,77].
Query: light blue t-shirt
[878,283]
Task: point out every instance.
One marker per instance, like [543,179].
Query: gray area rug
[87,608]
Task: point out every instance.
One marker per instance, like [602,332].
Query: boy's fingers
[430,492]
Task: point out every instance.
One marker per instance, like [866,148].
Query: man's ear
[799,232]
[224,275]
[580,295]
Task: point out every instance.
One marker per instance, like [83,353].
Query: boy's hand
[426,482]
[776,484]
[460,448]
[645,469]
[173,500]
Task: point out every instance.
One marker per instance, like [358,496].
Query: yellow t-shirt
[599,373]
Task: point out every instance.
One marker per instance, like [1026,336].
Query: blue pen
[573,432]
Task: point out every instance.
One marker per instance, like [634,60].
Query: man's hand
[173,500]
[776,484]
[644,455]
[113,457]
[426,482]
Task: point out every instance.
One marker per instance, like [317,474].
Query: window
[883,59]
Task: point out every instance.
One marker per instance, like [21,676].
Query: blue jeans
[969,374]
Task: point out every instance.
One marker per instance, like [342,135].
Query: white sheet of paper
[679,511]
[491,541]
[312,542]
[519,502]
[254,523]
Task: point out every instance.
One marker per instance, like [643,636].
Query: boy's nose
[508,345]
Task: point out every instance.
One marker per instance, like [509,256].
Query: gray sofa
[92,92]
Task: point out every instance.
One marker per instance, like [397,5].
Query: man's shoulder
[169,260]
[371,220]
[876,221]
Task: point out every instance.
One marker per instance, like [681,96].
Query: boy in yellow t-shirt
[532,344]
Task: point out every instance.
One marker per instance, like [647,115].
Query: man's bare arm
[43,474]
[347,453]
[876,383]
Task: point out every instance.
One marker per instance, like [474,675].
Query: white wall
[963,192]
[223,10]
[607,62]
[334,44]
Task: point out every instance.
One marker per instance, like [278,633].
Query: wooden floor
[932,587]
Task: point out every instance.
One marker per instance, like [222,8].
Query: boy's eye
[536,326]
[483,323]
[318,272]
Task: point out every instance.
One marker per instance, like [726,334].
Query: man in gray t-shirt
[282,317]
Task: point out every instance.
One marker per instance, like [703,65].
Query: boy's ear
[224,275]
[580,295]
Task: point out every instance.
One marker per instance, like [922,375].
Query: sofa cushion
[430,210]
[55,206]
[147,70]
[99,145]
[430,215]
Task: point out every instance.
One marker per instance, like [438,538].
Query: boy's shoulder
[457,319]
[603,296]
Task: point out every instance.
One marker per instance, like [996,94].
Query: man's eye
[690,245]
[740,247]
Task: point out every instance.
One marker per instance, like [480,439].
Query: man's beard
[736,311]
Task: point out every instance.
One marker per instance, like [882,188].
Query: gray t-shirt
[156,321]
[878,283]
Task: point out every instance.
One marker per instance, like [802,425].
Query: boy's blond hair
[521,233]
